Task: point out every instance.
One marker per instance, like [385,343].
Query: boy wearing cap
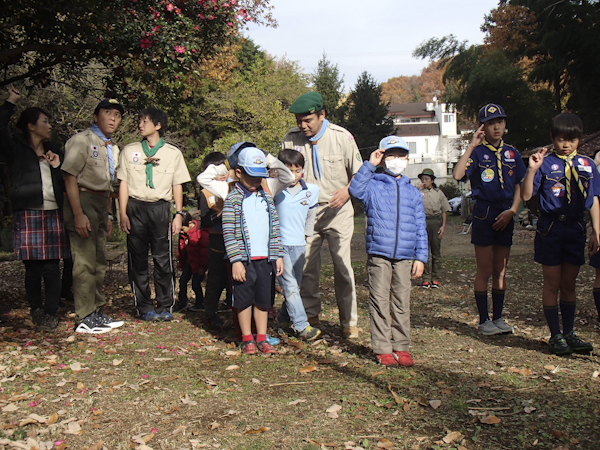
[496,171]
[152,173]
[332,159]
[253,244]
[396,239]
[91,161]
[436,207]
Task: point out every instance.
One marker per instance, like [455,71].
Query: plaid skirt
[40,235]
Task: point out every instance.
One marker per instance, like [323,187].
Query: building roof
[409,110]
[587,146]
[417,129]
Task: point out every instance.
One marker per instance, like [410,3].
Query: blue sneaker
[271,340]
[165,316]
[151,316]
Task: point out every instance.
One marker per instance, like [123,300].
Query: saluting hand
[377,156]
[478,137]
[536,160]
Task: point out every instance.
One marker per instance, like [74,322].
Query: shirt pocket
[334,165]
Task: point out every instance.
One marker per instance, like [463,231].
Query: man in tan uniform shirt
[152,173]
[89,168]
[332,158]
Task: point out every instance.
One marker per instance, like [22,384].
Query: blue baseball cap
[390,142]
[232,156]
[252,160]
[491,111]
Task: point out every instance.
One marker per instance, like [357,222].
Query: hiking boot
[92,324]
[165,316]
[387,359]
[151,316]
[577,344]
[49,323]
[197,307]
[502,326]
[265,348]
[179,307]
[425,284]
[435,284]
[223,307]
[309,333]
[559,346]
[37,316]
[403,358]
[284,327]
[350,332]
[248,347]
[489,329]
[107,320]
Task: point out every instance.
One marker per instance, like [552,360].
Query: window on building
[412,147]
[448,118]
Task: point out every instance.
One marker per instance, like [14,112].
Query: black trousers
[49,270]
[150,228]
[218,277]
[186,276]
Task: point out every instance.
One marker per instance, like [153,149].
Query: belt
[564,217]
[107,194]
[433,217]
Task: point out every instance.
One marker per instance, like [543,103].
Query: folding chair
[467,224]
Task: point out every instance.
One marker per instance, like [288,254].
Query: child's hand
[13,96]
[503,219]
[593,245]
[279,266]
[417,269]
[377,156]
[238,271]
[478,137]
[536,160]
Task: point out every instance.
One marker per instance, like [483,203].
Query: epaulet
[335,127]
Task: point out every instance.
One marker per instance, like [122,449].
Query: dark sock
[247,338]
[567,311]
[482,305]
[597,301]
[497,303]
[551,313]
[261,337]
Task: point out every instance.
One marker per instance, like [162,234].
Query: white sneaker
[105,320]
[501,324]
[489,329]
[92,325]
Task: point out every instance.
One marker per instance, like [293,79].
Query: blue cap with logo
[390,142]
[491,111]
[252,160]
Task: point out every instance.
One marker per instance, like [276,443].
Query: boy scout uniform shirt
[434,202]
[86,158]
[482,170]
[550,181]
[338,154]
[170,171]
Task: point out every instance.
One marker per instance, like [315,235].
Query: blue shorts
[258,289]
[482,233]
[558,242]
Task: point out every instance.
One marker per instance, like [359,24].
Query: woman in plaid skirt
[36,193]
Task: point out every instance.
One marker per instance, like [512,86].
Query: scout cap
[109,103]
[308,103]
[232,156]
[253,161]
[491,111]
[428,172]
[390,142]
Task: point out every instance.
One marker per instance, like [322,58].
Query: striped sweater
[235,231]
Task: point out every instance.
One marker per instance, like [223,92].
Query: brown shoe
[350,332]
[265,347]
[314,321]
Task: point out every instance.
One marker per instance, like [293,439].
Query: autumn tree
[330,84]
[410,89]
[366,114]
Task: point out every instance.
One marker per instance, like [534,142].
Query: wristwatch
[181,213]
[111,217]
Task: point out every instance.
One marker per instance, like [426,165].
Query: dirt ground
[178,385]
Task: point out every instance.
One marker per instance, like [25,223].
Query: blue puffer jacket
[395,216]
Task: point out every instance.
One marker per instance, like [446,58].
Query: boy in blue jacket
[396,247]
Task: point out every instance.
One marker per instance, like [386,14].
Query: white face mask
[396,166]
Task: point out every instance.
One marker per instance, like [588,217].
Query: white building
[432,136]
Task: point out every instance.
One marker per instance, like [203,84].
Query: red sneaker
[425,285]
[403,358]
[387,359]
[435,284]
[266,348]
[248,347]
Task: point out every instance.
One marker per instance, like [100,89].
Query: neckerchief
[107,143]
[150,160]
[498,152]
[315,151]
[570,171]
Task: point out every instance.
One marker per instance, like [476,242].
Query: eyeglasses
[391,157]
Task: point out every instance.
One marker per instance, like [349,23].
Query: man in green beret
[332,158]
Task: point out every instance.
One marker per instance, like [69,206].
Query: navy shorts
[482,233]
[558,242]
[595,261]
[259,287]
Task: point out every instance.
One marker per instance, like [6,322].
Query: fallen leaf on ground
[52,419]
[143,439]
[233,353]
[549,367]
[97,446]
[295,402]
[116,362]
[180,429]
[334,408]
[253,431]
[232,367]
[385,443]
[214,426]
[308,369]
[75,367]
[74,428]
[452,436]
[490,420]
[524,372]
[435,404]
[186,401]
[255,380]
[529,409]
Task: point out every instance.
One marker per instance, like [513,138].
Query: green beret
[307,104]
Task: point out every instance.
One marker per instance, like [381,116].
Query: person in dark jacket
[36,194]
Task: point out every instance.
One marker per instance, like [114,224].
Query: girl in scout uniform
[495,171]
[568,185]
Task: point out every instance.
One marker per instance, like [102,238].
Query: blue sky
[379,38]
